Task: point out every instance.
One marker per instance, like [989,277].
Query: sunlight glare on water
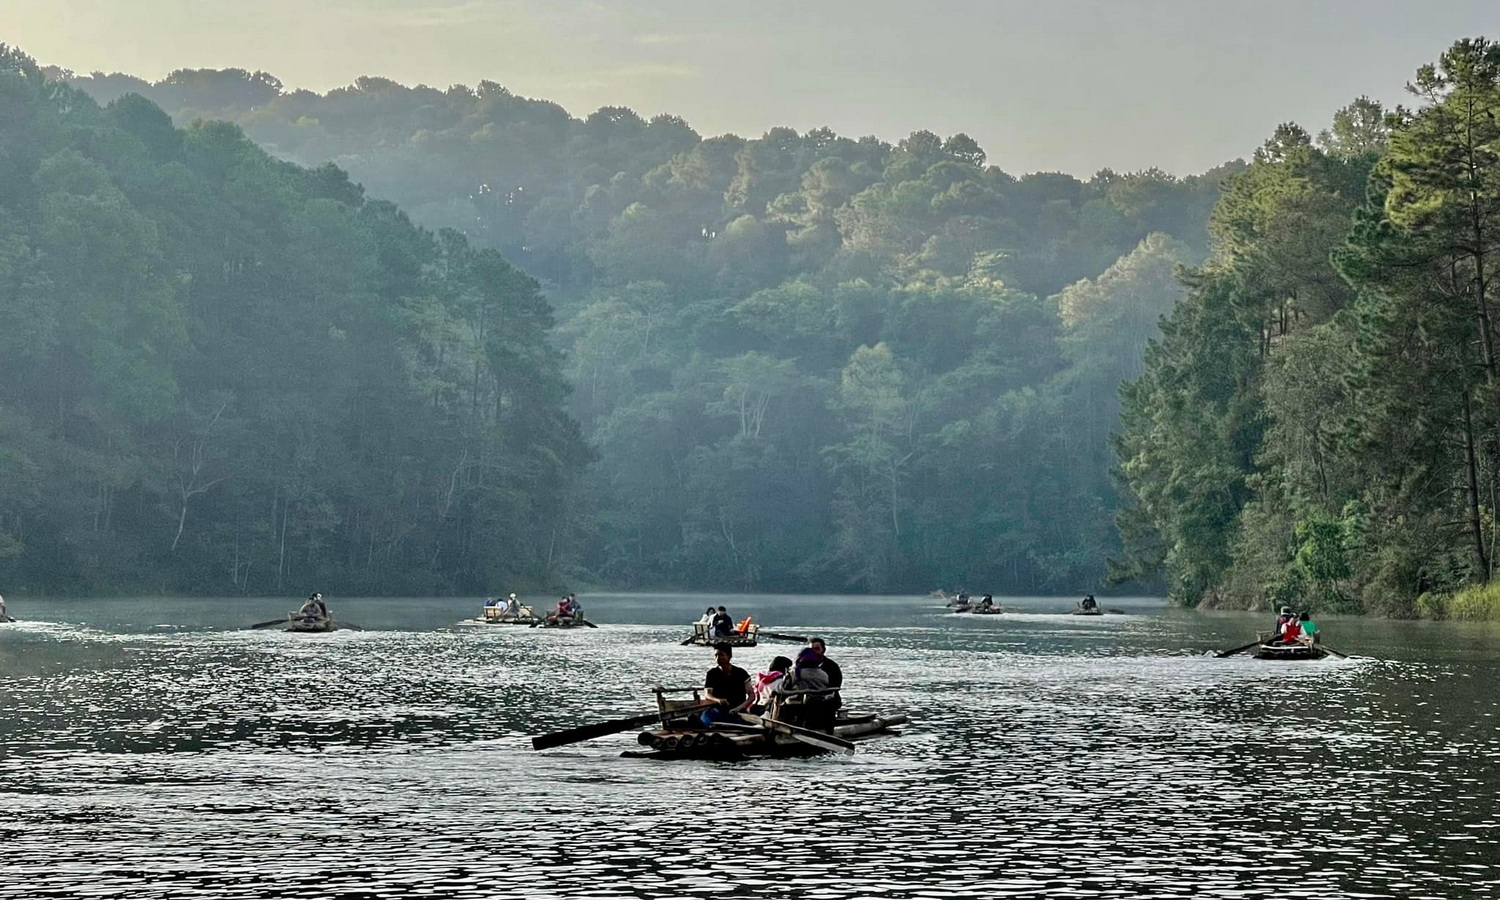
[1049,755]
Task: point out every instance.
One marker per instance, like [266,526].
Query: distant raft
[703,636]
[556,621]
[499,615]
[306,624]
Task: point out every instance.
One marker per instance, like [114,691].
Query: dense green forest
[798,361]
[804,361]
[1320,423]
[226,373]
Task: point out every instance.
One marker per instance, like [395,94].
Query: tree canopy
[223,372]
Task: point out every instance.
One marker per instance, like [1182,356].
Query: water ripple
[1049,757]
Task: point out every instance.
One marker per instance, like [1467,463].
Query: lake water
[150,749]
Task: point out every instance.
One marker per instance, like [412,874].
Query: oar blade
[600,729]
[1228,653]
[589,732]
[821,740]
[280,621]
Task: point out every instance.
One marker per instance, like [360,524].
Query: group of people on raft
[733,690]
[1294,628]
[721,624]
[567,608]
[313,609]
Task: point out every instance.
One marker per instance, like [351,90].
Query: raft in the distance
[311,625]
[703,636]
[498,615]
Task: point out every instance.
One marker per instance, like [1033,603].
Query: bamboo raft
[577,621]
[308,625]
[801,723]
[1080,611]
[1296,652]
[496,615]
[703,636]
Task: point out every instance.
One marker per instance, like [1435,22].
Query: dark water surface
[150,750]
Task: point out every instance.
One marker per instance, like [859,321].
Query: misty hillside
[804,360]
[225,373]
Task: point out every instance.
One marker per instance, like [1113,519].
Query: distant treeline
[803,361]
[220,372]
[810,362]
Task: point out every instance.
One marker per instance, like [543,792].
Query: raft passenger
[723,624]
[829,667]
[314,608]
[766,683]
[807,674]
[1088,603]
[1305,625]
[1281,620]
[727,685]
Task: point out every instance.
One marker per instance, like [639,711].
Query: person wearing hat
[807,673]
[513,605]
[727,685]
[814,710]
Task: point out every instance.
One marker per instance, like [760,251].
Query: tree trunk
[1476,525]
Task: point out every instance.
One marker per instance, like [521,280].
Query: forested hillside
[1320,424]
[804,361]
[226,373]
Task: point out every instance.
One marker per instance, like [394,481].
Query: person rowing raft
[314,609]
[727,685]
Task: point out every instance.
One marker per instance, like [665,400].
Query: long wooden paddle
[1333,651]
[1228,653]
[600,729]
[818,739]
[348,625]
[794,638]
[281,621]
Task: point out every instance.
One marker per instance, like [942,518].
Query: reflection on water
[1049,755]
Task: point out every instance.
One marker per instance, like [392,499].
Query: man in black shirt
[723,625]
[727,685]
[831,669]
[835,674]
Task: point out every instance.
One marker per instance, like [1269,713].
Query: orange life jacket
[744,626]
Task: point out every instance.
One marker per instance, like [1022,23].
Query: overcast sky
[1069,85]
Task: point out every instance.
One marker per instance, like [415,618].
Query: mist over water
[1049,755]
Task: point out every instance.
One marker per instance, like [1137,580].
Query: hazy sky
[1071,85]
